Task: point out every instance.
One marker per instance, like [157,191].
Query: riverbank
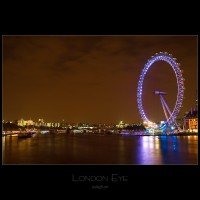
[119,134]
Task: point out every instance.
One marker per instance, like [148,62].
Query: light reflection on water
[95,149]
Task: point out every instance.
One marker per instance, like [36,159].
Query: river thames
[100,149]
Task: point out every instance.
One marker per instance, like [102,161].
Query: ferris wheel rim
[179,78]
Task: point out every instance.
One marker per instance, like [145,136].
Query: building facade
[191,121]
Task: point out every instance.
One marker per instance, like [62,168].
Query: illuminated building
[41,120]
[120,125]
[57,125]
[48,124]
[191,121]
[23,122]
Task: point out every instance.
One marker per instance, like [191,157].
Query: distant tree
[43,127]
[8,126]
[30,126]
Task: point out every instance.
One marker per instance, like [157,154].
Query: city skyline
[92,78]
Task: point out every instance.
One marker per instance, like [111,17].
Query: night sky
[93,79]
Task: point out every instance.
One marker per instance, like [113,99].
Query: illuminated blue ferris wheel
[170,116]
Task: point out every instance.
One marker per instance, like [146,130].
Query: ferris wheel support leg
[163,107]
[169,111]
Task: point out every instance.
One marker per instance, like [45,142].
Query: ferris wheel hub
[159,92]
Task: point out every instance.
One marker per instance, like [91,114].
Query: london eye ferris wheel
[170,115]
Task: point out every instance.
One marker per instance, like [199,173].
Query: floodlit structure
[171,117]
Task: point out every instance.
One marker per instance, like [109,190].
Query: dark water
[94,149]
